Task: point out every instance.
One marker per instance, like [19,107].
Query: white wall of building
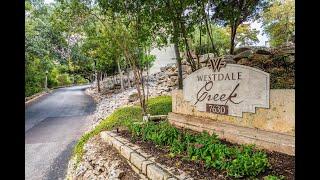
[164,56]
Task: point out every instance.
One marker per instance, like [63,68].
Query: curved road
[52,126]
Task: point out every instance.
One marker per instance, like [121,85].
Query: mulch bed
[281,164]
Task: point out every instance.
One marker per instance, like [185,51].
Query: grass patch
[124,117]
[120,117]
[237,161]
[160,105]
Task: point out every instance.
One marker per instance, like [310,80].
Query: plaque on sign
[217,109]
[228,89]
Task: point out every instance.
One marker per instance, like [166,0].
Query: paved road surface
[52,127]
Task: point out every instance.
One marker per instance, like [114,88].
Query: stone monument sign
[227,89]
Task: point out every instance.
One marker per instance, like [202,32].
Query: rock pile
[101,161]
[279,62]
[167,78]
[107,104]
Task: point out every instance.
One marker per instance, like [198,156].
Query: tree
[41,42]
[279,21]
[131,29]
[235,12]
[201,41]
[246,35]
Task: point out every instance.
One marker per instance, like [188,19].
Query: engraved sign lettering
[228,89]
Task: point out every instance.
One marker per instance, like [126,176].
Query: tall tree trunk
[233,35]
[137,79]
[209,30]
[129,82]
[140,71]
[189,56]
[121,78]
[178,59]
[97,75]
[177,53]
[147,82]
[98,81]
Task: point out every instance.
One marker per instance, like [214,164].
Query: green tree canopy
[279,21]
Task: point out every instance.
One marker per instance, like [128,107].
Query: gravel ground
[109,101]
[101,161]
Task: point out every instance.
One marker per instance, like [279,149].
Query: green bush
[160,105]
[31,90]
[64,79]
[52,78]
[162,134]
[80,80]
[248,163]
[238,162]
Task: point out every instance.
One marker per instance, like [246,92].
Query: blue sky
[262,37]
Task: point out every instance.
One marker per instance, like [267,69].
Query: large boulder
[173,78]
[162,69]
[259,57]
[133,97]
[244,54]
[263,51]
[204,58]
[241,49]
[229,59]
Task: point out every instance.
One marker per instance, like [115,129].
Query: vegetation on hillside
[123,117]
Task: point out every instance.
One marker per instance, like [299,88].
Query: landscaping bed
[201,155]
[281,166]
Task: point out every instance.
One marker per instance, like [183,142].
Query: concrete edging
[136,157]
[36,96]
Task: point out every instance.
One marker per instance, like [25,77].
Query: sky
[48,1]
[262,37]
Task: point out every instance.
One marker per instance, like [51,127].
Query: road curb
[33,98]
[143,162]
[36,97]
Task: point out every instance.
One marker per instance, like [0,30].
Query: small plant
[273,177]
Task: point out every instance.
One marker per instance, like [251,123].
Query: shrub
[160,105]
[248,163]
[161,134]
[237,162]
[64,79]
[80,80]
